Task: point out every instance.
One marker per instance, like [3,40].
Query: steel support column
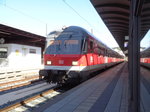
[134,54]
[136,65]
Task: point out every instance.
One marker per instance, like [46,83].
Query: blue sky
[33,15]
[146,40]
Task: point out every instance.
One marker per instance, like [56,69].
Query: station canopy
[12,35]
[116,16]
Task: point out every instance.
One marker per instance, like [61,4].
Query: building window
[33,51]
[3,52]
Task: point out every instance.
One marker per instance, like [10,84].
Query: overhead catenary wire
[83,18]
[77,13]
[80,15]
[26,15]
[45,23]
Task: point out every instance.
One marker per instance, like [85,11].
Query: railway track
[18,83]
[32,102]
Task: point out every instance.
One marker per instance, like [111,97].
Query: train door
[102,53]
[106,57]
[90,53]
[95,54]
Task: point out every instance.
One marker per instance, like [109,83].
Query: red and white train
[145,58]
[75,54]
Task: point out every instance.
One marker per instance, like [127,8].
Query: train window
[64,46]
[69,45]
[51,42]
[3,52]
[84,46]
[71,42]
[67,33]
[55,42]
[91,45]
[103,52]
[99,51]
[106,53]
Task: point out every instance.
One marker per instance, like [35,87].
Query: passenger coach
[74,54]
[145,58]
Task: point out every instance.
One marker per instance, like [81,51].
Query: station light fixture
[125,44]
[126,37]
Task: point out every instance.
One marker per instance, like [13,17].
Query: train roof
[80,31]
[84,31]
[54,34]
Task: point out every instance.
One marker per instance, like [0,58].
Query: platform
[106,92]
[145,90]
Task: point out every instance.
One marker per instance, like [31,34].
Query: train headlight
[48,62]
[74,62]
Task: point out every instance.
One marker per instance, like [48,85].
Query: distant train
[145,58]
[74,54]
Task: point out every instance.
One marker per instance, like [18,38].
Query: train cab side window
[3,52]
[84,46]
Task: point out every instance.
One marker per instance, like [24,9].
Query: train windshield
[64,46]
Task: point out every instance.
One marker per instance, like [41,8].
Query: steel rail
[24,102]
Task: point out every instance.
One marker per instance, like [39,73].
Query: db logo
[61,61]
